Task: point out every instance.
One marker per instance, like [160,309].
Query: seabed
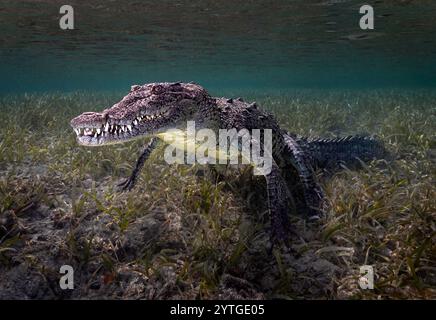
[180,234]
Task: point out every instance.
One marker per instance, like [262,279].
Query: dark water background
[255,45]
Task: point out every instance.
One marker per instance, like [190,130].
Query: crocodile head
[146,110]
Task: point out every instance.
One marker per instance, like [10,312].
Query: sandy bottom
[181,234]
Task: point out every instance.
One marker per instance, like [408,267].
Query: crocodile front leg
[129,183]
[312,191]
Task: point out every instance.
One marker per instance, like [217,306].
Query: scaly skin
[154,108]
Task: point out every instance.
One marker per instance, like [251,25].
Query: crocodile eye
[134,87]
[157,89]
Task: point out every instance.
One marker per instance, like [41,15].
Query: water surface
[221,44]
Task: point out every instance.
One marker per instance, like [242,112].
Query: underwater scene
[329,105]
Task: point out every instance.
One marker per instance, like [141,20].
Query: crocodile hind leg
[312,191]
[129,183]
[278,205]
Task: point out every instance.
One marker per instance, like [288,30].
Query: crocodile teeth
[77,131]
[98,131]
[106,127]
[135,122]
[129,127]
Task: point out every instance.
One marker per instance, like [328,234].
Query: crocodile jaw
[101,130]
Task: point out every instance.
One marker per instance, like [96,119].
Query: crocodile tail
[350,151]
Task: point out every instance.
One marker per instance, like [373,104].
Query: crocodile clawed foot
[313,214]
[126,185]
[281,236]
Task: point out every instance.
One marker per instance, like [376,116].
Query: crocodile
[150,109]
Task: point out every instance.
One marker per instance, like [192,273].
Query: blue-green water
[220,44]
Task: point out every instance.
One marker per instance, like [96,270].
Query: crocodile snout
[88,119]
